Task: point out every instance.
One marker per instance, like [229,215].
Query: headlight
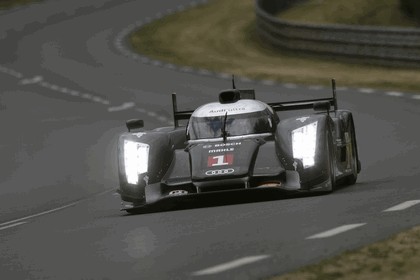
[136,160]
[304,144]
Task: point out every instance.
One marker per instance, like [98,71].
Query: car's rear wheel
[331,161]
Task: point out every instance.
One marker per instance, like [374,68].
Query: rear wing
[316,104]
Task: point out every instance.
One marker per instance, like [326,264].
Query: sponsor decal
[139,134]
[295,165]
[221,150]
[220,160]
[220,172]
[227,110]
[302,119]
[228,144]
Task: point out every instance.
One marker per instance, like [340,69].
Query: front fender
[160,155]
[313,167]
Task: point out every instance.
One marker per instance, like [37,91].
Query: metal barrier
[371,44]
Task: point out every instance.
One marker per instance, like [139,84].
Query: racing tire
[354,159]
[331,161]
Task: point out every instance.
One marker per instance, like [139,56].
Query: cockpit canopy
[243,117]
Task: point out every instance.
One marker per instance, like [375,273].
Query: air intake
[229,96]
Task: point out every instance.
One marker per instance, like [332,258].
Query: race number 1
[220,160]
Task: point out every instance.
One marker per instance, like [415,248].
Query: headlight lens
[136,160]
[304,144]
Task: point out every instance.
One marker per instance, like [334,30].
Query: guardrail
[371,44]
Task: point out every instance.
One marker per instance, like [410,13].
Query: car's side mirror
[134,124]
[322,106]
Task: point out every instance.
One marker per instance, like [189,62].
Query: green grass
[7,4]
[360,12]
[395,258]
[221,36]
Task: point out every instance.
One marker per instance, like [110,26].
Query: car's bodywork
[239,143]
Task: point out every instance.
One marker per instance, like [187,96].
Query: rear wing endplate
[306,104]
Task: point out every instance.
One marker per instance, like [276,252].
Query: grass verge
[395,258]
[7,4]
[360,12]
[220,36]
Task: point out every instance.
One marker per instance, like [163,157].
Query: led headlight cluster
[136,160]
[304,144]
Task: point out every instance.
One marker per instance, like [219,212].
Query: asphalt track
[68,83]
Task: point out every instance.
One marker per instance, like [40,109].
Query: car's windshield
[237,124]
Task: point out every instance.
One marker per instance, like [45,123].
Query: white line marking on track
[268,82]
[403,206]
[170,66]
[87,96]
[224,75]
[97,99]
[11,72]
[204,72]
[186,69]
[65,90]
[230,265]
[39,214]
[33,80]
[52,210]
[16,74]
[163,119]
[54,87]
[245,79]
[335,231]
[12,225]
[394,93]
[342,88]
[124,106]
[416,97]
[366,90]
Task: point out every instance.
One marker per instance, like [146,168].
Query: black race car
[238,143]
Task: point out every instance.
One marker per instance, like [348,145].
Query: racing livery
[239,143]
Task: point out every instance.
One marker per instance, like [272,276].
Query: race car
[238,144]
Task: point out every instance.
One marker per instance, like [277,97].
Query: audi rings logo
[220,172]
[178,192]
